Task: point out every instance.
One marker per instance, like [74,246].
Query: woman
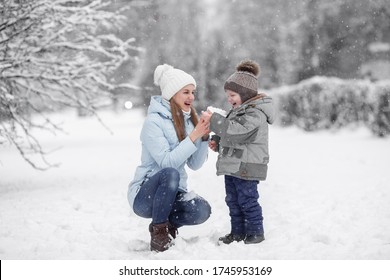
[172,136]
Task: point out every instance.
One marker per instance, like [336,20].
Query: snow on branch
[55,54]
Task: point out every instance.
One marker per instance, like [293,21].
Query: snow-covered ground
[327,197]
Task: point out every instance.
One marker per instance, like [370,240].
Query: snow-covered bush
[323,102]
[379,121]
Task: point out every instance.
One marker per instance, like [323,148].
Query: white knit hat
[171,80]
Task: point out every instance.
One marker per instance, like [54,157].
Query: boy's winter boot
[254,238]
[159,237]
[229,238]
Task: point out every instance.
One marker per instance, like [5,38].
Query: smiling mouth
[187,103]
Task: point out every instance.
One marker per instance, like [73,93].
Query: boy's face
[233,98]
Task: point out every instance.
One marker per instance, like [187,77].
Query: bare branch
[55,54]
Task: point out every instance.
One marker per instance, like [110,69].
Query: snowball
[217,110]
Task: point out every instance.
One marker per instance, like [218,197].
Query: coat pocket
[229,160]
[232,152]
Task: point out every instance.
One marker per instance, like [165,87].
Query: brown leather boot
[172,230]
[160,240]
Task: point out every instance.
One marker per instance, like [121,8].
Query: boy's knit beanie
[244,80]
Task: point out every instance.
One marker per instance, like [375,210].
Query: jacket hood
[264,104]
[160,106]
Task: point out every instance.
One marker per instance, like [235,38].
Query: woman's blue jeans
[159,198]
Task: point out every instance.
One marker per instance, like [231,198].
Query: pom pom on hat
[171,80]
[249,66]
[160,70]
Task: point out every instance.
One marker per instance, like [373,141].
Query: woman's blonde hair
[178,119]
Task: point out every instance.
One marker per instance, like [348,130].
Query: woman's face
[185,97]
[233,98]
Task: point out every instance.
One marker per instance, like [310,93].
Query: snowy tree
[172,37]
[55,54]
[265,31]
[336,35]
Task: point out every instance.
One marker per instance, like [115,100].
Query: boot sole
[254,242]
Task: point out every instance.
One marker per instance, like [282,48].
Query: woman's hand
[201,129]
[206,115]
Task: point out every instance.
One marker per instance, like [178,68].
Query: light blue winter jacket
[161,147]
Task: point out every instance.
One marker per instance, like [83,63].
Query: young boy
[242,142]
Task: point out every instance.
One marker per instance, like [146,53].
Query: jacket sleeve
[242,130]
[154,140]
[199,157]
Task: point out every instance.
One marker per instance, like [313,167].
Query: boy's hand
[213,145]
